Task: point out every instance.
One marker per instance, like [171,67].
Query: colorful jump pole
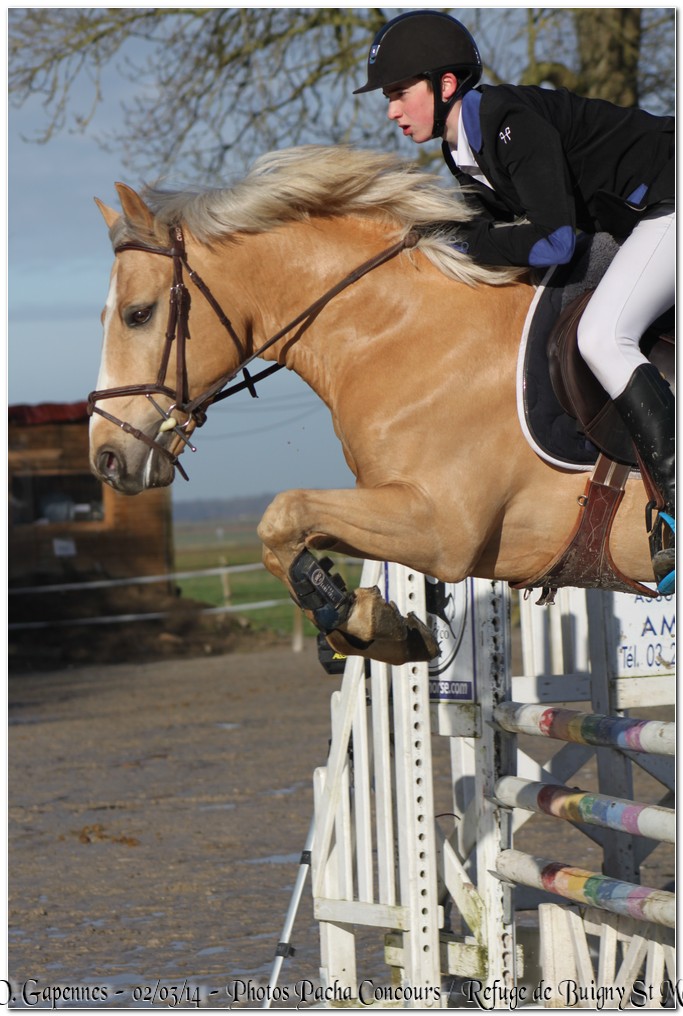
[574,805]
[654,737]
[588,888]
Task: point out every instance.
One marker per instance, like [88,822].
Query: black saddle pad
[553,430]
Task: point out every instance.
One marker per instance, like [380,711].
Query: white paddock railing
[155,615]
[138,580]
[220,571]
[159,615]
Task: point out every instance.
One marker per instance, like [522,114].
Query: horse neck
[290,268]
[279,275]
[269,279]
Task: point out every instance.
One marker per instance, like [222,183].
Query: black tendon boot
[648,408]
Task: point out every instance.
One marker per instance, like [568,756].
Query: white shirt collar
[463,155]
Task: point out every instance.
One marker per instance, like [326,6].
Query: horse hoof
[422,646]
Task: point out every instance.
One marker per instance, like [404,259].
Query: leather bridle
[177,332]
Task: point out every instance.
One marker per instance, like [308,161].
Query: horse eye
[139,316]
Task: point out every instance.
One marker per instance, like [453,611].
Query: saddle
[581,395]
[571,421]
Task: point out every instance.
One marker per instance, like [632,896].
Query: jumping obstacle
[460,908]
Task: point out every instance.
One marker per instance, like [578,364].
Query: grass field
[207,545]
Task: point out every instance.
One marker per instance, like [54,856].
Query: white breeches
[638,286]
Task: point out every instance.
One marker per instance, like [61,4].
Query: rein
[177,331]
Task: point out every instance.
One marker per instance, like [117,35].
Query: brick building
[64,525]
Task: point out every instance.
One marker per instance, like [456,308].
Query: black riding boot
[648,408]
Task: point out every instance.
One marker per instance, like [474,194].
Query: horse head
[142,412]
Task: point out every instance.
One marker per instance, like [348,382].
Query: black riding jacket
[561,163]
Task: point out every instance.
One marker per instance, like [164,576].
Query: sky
[59,259]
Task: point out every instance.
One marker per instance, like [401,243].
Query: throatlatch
[325,595]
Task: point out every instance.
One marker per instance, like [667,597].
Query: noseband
[177,332]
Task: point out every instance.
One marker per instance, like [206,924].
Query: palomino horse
[313,262]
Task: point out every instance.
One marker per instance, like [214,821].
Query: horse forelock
[123,231]
[295,184]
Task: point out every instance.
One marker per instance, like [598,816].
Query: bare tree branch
[210,86]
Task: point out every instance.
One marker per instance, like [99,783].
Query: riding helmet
[424,44]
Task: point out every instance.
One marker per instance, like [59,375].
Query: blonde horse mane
[296,183]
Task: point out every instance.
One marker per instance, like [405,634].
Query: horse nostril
[109,465]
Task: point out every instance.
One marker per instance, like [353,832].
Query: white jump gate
[451,898]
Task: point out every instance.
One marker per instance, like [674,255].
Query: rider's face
[411,105]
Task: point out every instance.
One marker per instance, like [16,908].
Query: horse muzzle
[131,465]
[131,475]
[134,459]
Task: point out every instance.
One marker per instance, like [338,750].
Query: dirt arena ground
[157,812]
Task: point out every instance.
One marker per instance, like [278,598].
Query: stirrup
[666,585]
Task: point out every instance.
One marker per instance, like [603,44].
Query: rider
[538,164]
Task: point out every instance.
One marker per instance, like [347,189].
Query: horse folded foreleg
[377,524]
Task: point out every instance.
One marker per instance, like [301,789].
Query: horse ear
[108,214]
[134,208]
